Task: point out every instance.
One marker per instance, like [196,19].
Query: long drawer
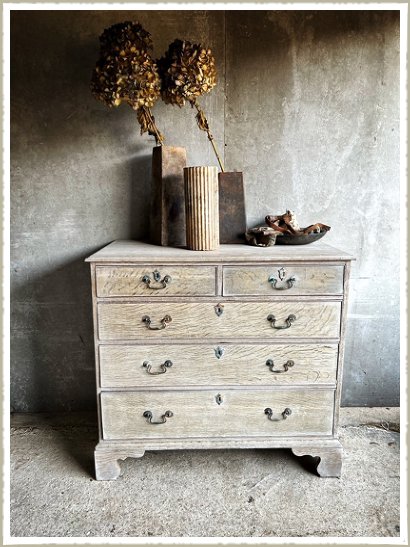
[153,281]
[275,279]
[222,364]
[128,415]
[165,320]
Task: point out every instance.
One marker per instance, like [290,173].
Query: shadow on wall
[52,333]
[80,178]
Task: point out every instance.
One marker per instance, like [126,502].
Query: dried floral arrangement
[125,72]
[188,71]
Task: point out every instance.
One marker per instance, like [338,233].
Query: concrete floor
[221,493]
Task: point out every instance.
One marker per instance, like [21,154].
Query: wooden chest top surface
[139,252]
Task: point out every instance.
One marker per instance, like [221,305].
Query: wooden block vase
[202,208]
[232,216]
[167,220]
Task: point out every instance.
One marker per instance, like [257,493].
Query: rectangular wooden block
[232,216]
[167,220]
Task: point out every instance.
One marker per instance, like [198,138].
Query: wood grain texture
[167,215]
[124,251]
[197,413]
[202,208]
[254,280]
[240,377]
[199,320]
[329,459]
[232,215]
[198,365]
[128,281]
[343,326]
[107,466]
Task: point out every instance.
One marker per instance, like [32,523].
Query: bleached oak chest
[236,348]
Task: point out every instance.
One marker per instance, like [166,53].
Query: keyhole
[218,399]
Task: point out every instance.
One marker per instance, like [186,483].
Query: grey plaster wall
[307,106]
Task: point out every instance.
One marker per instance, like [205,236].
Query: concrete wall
[307,106]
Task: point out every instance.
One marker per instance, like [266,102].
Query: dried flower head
[126,72]
[124,35]
[187,71]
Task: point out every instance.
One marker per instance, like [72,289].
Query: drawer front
[153,281]
[220,365]
[258,320]
[216,413]
[277,280]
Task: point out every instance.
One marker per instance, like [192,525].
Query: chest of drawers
[236,348]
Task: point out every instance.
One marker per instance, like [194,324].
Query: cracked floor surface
[219,493]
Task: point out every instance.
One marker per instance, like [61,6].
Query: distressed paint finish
[197,414]
[209,403]
[122,366]
[276,280]
[124,320]
[173,281]
[311,118]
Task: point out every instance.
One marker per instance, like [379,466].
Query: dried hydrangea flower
[126,72]
[187,71]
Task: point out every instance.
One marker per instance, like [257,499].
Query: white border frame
[7,8]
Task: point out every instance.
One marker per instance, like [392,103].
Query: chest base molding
[326,453]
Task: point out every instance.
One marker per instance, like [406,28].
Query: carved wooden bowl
[302,239]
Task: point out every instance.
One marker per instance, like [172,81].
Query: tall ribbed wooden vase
[202,208]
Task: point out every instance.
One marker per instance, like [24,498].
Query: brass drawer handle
[164,322]
[286,366]
[289,283]
[157,278]
[272,319]
[269,412]
[148,415]
[163,367]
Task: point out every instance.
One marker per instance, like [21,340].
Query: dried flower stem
[159,138]
[203,124]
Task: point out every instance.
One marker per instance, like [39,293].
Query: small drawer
[282,280]
[186,320]
[221,364]
[216,413]
[153,281]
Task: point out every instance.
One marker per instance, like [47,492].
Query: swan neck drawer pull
[288,284]
[290,319]
[157,278]
[148,415]
[269,412]
[164,322]
[163,367]
[286,366]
